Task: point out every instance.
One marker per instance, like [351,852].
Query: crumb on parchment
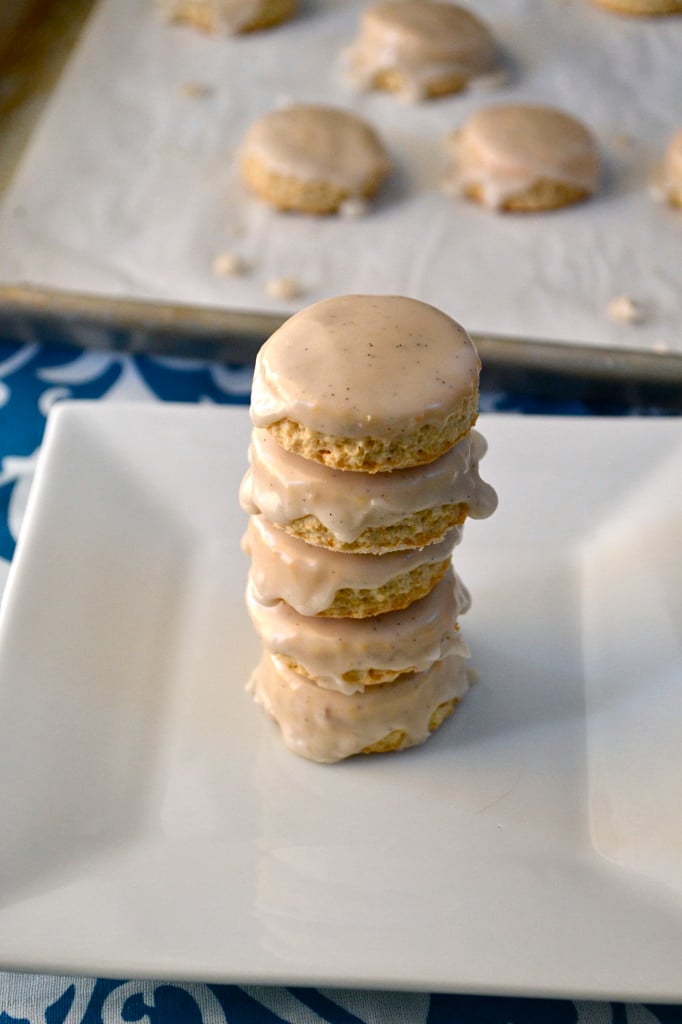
[284,288]
[196,90]
[352,208]
[625,310]
[229,264]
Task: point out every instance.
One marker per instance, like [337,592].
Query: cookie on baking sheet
[366,512]
[645,8]
[672,170]
[327,726]
[420,49]
[312,159]
[349,654]
[523,158]
[317,581]
[228,17]
[369,383]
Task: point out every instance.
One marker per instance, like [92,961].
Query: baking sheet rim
[236,334]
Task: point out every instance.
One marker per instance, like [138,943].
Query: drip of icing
[284,487]
[326,726]
[284,568]
[408,640]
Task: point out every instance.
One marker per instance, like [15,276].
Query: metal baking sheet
[36,39]
[235,332]
[548,369]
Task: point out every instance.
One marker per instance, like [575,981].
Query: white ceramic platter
[152,823]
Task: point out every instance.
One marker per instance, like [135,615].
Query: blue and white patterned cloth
[32,378]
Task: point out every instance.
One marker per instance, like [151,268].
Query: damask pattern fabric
[32,378]
[44,999]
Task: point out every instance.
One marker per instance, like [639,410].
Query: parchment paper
[129,187]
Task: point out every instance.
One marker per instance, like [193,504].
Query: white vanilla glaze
[327,726]
[423,41]
[364,366]
[505,149]
[284,568]
[228,16]
[404,641]
[317,144]
[284,487]
[672,167]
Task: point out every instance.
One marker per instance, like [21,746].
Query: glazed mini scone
[316,581]
[349,654]
[327,726]
[672,170]
[312,159]
[228,17]
[642,8]
[369,383]
[523,158]
[366,512]
[420,49]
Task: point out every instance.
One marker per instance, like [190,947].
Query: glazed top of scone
[365,366]
[425,33]
[310,142]
[523,143]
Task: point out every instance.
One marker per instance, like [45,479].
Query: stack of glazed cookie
[363,468]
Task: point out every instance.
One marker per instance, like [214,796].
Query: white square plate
[152,823]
